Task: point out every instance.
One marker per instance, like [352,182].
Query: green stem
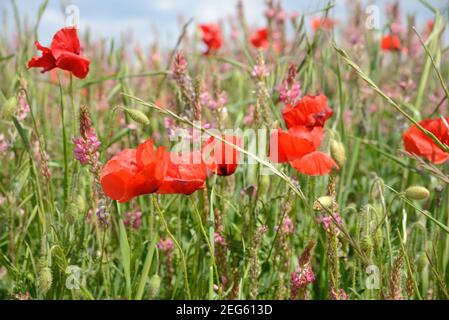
[184,264]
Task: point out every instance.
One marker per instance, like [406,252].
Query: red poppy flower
[64,53]
[430,24]
[212,37]
[322,23]
[132,172]
[220,157]
[310,111]
[417,143]
[391,43]
[186,174]
[294,143]
[260,38]
[315,164]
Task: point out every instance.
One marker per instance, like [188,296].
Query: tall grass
[387,246]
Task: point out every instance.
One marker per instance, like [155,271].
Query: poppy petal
[186,174]
[46,61]
[294,144]
[65,40]
[417,143]
[315,164]
[310,111]
[117,177]
[76,64]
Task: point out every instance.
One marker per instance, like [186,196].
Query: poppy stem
[212,238]
[161,214]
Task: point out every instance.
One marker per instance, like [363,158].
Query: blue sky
[114,17]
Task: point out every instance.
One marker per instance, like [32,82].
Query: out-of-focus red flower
[260,38]
[391,43]
[294,143]
[220,157]
[212,37]
[315,164]
[132,172]
[417,143]
[64,53]
[322,23]
[430,24]
[186,174]
[310,111]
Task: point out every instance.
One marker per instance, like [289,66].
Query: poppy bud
[417,193]
[155,284]
[45,280]
[9,108]
[323,203]
[338,152]
[138,116]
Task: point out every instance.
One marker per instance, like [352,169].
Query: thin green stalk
[181,252]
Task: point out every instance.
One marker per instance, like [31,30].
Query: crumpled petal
[315,164]
[186,174]
[220,157]
[417,143]
[46,61]
[294,143]
[310,111]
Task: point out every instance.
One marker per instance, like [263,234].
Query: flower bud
[323,203]
[417,193]
[338,152]
[9,108]
[155,284]
[138,116]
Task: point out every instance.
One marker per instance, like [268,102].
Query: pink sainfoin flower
[303,276]
[288,227]
[338,294]
[23,109]
[87,147]
[165,245]
[260,71]
[289,94]
[4,145]
[133,219]
[249,116]
[398,28]
[219,239]
[290,89]
[214,102]
[326,221]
